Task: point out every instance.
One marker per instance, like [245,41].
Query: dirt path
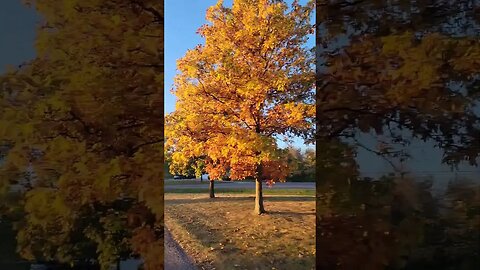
[175,256]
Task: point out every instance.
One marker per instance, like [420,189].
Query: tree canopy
[84,130]
[400,66]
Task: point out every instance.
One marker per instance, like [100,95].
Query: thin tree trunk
[212,189]
[259,209]
[118,265]
[201,177]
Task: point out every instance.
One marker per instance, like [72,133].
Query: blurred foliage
[399,71]
[392,223]
[81,132]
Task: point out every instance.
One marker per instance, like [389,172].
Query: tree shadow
[239,199]
[255,261]
[207,200]
[289,198]
[290,213]
[203,233]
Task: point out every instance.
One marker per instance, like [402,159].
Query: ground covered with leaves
[223,233]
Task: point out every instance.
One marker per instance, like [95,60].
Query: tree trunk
[258,198]
[118,265]
[211,188]
[259,209]
[201,177]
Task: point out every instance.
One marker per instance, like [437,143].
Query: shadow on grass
[245,191]
[239,199]
[306,262]
[290,213]
[204,234]
[233,255]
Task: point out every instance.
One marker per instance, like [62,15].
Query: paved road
[245,185]
[175,256]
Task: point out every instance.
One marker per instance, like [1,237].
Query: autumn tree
[194,166]
[84,130]
[250,82]
[181,163]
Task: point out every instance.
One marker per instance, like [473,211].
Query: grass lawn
[185,182]
[223,233]
[222,190]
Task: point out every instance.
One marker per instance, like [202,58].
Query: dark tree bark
[259,209]
[212,189]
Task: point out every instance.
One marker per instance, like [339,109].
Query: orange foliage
[252,81]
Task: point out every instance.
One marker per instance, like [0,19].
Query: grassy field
[185,182]
[222,190]
[223,233]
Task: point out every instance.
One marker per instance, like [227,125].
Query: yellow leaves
[293,115]
[57,103]
[105,178]
[397,44]
[69,6]
[214,11]
[43,203]
[6,128]
[420,64]
[64,147]
[219,4]
[295,112]
[17,158]
[179,158]
[467,54]
[116,19]
[81,168]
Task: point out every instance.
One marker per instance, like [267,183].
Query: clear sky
[17,33]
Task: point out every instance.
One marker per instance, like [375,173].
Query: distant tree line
[301,164]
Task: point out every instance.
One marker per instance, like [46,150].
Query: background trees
[84,130]
[301,164]
[251,81]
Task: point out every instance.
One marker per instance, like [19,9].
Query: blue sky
[182,19]
[17,33]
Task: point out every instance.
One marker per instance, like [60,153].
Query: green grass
[185,182]
[303,192]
